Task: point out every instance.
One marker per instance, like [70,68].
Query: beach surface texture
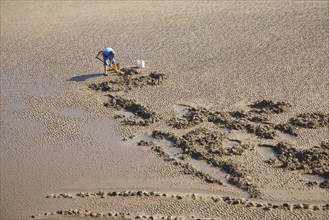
[229,119]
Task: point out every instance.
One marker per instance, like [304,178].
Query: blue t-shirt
[107,56]
[107,51]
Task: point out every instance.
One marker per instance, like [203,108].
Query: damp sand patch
[69,112]
[15,105]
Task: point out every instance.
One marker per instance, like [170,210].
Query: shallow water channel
[286,136]
[313,177]
[126,113]
[181,110]
[267,152]
[230,143]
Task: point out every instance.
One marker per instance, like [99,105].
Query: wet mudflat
[211,128]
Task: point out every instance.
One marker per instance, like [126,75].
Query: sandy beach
[229,119]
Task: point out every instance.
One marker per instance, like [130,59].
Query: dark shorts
[106,59]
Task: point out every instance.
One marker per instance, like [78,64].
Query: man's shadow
[82,78]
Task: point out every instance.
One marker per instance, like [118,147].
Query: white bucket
[140,63]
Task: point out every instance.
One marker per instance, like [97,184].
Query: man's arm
[99,53]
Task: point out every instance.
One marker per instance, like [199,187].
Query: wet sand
[58,138]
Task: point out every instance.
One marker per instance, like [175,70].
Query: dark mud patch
[126,71]
[200,142]
[240,121]
[191,116]
[144,115]
[206,145]
[188,169]
[253,121]
[236,120]
[310,120]
[325,184]
[309,161]
[260,130]
[179,123]
[250,116]
[286,129]
[129,80]
[239,176]
[270,107]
